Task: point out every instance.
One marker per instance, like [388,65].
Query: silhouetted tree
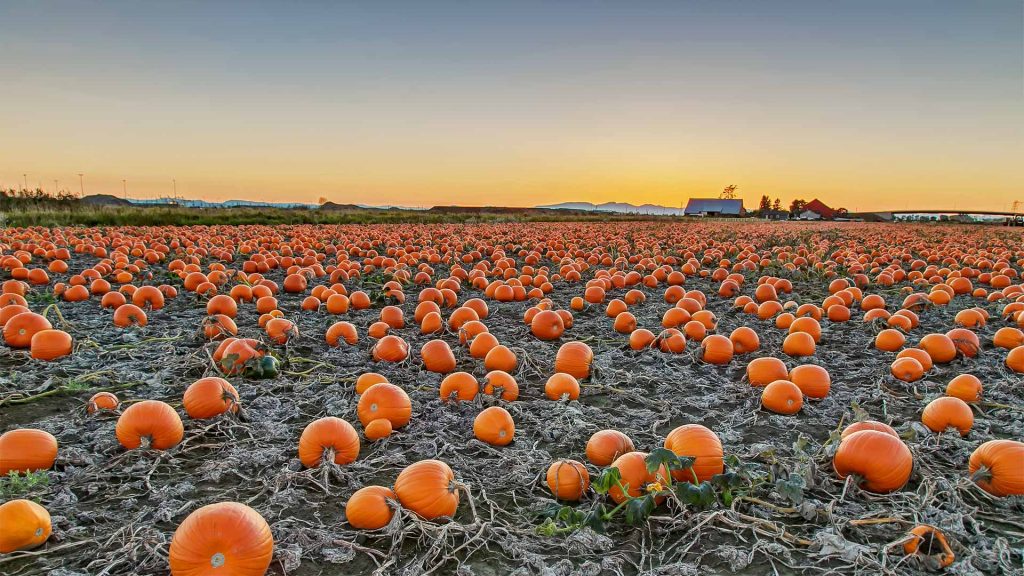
[777,205]
[765,206]
[797,206]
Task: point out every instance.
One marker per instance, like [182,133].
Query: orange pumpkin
[868,425]
[102,401]
[328,435]
[150,420]
[568,480]
[881,462]
[384,400]
[561,385]
[502,384]
[574,358]
[948,412]
[494,425]
[929,541]
[226,537]
[368,508]
[26,525]
[390,349]
[635,477]
[701,444]
[814,381]
[428,488]
[966,387]
[764,371]
[378,429]
[437,357]
[996,467]
[24,450]
[209,397]
[501,358]
[20,328]
[605,446]
[462,385]
[51,344]
[782,397]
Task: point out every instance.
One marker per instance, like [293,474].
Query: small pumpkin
[328,435]
[390,348]
[378,429]
[547,325]
[501,358]
[568,480]
[764,371]
[368,379]
[966,387]
[428,488]
[574,358]
[701,444]
[209,397]
[385,400]
[782,397]
[463,386]
[341,332]
[561,385]
[635,477]
[102,401]
[494,425]
[226,537]
[25,525]
[931,542]
[868,425]
[50,345]
[717,349]
[368,508]
[150,420]
[948,412]
[500,383]
[604,446]
[437,357]
[813,380]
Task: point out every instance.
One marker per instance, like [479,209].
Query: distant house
[818,208]
[714,207]
[775,215]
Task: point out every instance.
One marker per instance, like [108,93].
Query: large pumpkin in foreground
[227,538]
[428,488]
[997,466]
[26,450]
[24,525]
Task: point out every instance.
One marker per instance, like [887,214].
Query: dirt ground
[114,511]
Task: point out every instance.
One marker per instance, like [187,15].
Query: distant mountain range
[110,200]
[621,207]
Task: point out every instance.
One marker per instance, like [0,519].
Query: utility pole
[124,185]
[56,187]
[81,185]
[174,182]
[25,176]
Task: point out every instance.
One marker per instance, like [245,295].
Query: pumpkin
[341,331]
[568,480]
[328,435]
[808,325]
[390,349]
[20,328]
[494,425]
[744,340]
[1015,359]
[641,339]
[919,355]
[209,397]
[764,371]
[226,537]
[220,304]
[102,401]
[368,379]
[1008,337]
[501,384]
[50,344]
[129,315]
[561,385]
[966,387]
[428,488]
[368,508]
[948,412]
[500,358]
[782,397]
[437,357]
[219,326]
[378,429]
[384,400]
[717,349]
[462,385]
[547,325]
[868,425]
[281,330]
[889,340]
[929,541]
[392,316]
[671,340]
[605,446]
[152,420]
[26,525]
[798,344]
[813,380]
[24,450]
[701,444]
[966,342]
[574,358]
[482,344]
[996,467]
[907,369]
[939,347]
[635,477]
[881,461]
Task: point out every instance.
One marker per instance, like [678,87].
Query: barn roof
[820,207]
[714,206]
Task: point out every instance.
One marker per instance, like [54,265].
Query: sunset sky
[863,104]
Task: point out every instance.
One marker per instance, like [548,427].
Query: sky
[865,104]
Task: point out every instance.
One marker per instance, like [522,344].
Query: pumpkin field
[558,398]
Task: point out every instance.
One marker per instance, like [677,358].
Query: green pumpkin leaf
[639,509]
[791,488]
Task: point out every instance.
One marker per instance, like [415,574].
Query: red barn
[819,207]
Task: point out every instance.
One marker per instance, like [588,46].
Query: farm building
[817,210]
[714,207]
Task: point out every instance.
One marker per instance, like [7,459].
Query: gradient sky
[863,104]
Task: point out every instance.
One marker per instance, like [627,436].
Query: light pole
[124,185]
[56,187]
[174,182]
[25,176]
[81,185]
